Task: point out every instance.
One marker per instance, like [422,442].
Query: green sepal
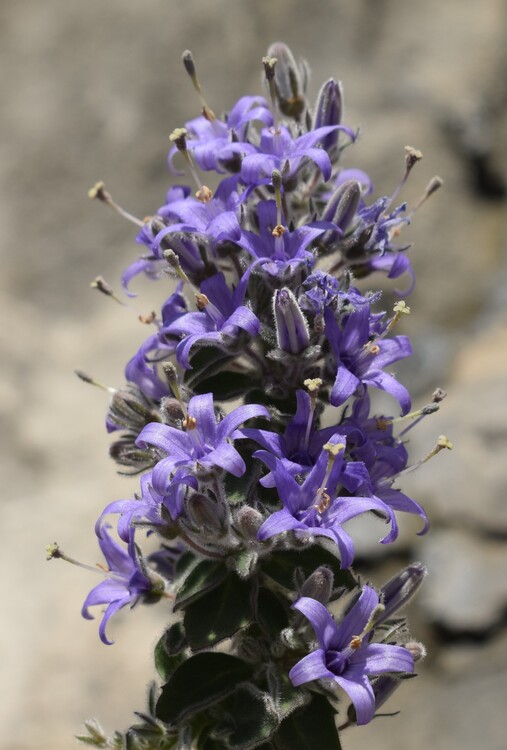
[199,682]
[219,613]
[205,576]
[311,727]
[250,718]
[245,562]
[169,650]
[281,566]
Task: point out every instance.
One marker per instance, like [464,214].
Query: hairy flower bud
[248,520]
[343,204]
[205,513]
[290,81]
[328,111]
[319,585]
[401,588]
[291,327]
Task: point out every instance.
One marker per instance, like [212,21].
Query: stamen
[99,192]
[148,319]
[101,285]
[276,179]
[173,260]
[412,156]
[383,422]
[54,552]
[88,379]
[434,184]
[357,640]
[313,385]
[179,138]
[442,442]
[189,63]
[333,450]
[399,309]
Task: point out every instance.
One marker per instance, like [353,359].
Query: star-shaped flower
[346,654]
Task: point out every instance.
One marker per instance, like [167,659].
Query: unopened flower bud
[343,204]
[417,649]
[401,588]
[248,521]
[291,327]
[328,111]
[319,585]
[205,513]
[289,81]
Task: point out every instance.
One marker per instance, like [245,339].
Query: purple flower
[323,503]
[204,445]
[216,145]
[141,368]
[221,320]
[127,581]
[279,150]
[361,354]
[279,252]
[300,444]
[371,440]
[346,654]
[148,507]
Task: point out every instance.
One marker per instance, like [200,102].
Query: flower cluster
[250,502]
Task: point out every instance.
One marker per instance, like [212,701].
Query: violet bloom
[218,145]
[279,150]
[147,509]
[204,446]
[299,446]
[371,440]
[282,251]
[127,581]
[141,369]
[360,360]
[215,218]
[323,503]
[346,654]
[221,320]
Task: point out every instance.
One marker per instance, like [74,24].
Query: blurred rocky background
[90,90]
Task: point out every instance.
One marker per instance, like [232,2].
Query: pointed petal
[321,621]
[360,692]
[311,667]
[356,620]
[377,658]
[238,416]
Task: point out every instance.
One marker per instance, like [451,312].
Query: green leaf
[200,681]
[206,575]
[225,385]
[219,613]
[168,651]
[311,727]
[282,564]
[272,613]
[251,718]
[206,360]
[287,697]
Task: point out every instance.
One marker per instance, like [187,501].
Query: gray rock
[466,588]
